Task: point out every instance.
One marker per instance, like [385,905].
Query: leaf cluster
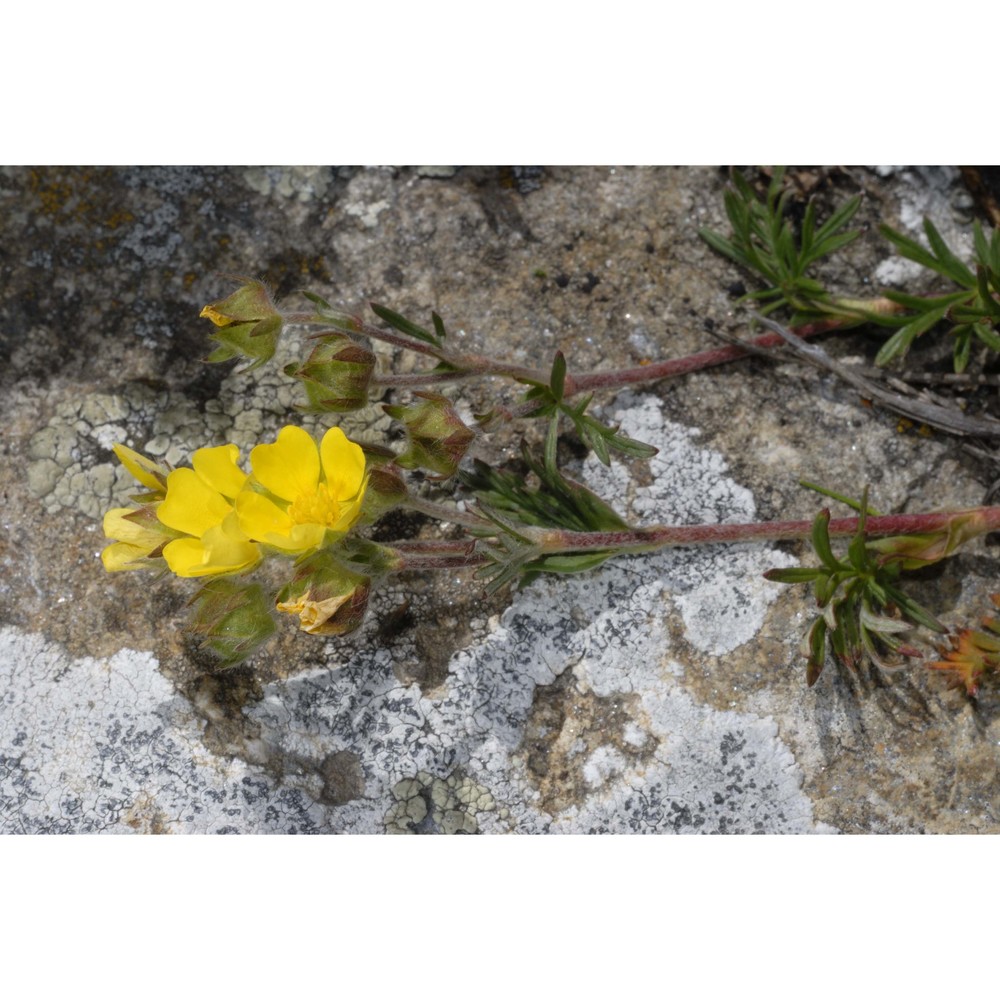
[973,311]
[863,610]
[763,242]
[598,437]
[512,501]
[974,653]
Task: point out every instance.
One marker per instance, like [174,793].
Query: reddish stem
[690,363]
[640,539]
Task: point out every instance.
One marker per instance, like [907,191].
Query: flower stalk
[462,366]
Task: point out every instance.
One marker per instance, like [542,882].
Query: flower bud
[235,619]
[438,439]
[916,551]
[336,375]
[249,325]
[386,490]
[329,599]
[138,538]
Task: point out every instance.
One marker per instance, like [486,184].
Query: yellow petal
[121,528]
[191,505]
[122,556]
[302,538]
[349,513]
[222,549]
[145,470]
[343,464]
[290,466]
[218,468]
[215,316]
[260,517]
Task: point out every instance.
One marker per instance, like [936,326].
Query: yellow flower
[312,493]
[137,537]
[199,505]
[327,597]
[151,474]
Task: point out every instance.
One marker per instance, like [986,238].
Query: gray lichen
[454,759]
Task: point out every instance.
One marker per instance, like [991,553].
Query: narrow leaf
[821,541]
[721,245]
[557,379]
[817,651]
[317,300]
[910,249]
[552,444]
[438,326]
[793,574]
[950,264]
[839,219]
[899,343]
[402,324]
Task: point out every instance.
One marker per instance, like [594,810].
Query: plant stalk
[657,537]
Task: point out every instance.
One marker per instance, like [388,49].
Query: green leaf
[910,248]
[806,234]
[949,263]
[857,554]
[838,220]
[833,243]
[922,303]
[990,305]
[631,447]
[982,247]
[817,651]
[597,443]
[913,611]
[557,379]
[721,245]
[438,327]
[317,300]
[847,501]
[987,335]
[552,444]
[793,574]
[403,325]
[577,562]
[963,346]
[899,343]
[821,541]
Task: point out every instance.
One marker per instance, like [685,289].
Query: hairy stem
[657,537]
[437,554]
[450,554]
[444,512]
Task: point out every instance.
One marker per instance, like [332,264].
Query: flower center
[315,508]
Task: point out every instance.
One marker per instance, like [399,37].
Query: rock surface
[660,693]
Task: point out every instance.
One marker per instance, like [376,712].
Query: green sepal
[233,618]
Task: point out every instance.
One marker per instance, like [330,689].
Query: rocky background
[656,694]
